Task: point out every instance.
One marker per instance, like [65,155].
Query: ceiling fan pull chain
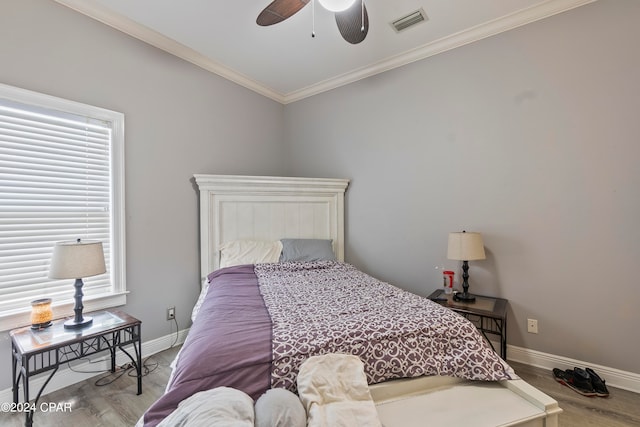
[313,18]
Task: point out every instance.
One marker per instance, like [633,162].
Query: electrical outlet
[171,313]
[532,326]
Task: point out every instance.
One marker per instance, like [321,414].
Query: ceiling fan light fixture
[336,5]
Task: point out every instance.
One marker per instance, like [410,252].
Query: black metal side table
[488,314]
[37,351]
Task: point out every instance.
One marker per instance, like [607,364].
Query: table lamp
[465,247]
[75,260]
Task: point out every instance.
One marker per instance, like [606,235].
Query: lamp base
[464,297]
[72,324]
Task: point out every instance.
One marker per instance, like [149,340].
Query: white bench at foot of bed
[450,402]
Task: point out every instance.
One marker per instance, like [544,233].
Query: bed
[256,324]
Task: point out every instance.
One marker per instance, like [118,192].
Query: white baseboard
[85,370]
[613,377]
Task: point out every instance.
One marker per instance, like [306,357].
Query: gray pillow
[278,407]
[307,250]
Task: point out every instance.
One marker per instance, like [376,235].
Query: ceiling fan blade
[350,23]
[279,10]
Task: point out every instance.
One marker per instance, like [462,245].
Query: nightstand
[488,314]
[43,350]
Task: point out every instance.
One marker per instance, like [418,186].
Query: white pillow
[240,252]
[221,406]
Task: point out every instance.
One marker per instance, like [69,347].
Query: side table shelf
[488,314]
[37,351]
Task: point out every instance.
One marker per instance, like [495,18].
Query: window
[61,178]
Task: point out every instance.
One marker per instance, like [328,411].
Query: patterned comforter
[258,324]
[331,307]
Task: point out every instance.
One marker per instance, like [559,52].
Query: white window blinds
[55,185]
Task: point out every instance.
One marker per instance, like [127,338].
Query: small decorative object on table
[448,281]
[41,313]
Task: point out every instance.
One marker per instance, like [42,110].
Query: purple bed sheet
[259,323]
[229,344]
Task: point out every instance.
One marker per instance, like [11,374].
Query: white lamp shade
[336,5]
[465,246]
[75,260]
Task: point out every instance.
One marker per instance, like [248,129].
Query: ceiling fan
[351,15]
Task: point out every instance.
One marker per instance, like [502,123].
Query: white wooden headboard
[234,207]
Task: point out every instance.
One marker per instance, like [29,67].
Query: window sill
[23,318]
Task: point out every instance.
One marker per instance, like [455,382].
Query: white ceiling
[284,62]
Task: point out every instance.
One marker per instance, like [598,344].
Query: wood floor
[117,404]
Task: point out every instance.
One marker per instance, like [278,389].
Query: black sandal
[598,383]
[580,382]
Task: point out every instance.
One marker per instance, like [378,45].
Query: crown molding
[462,38]
[134,29]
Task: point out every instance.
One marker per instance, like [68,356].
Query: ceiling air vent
[409,20]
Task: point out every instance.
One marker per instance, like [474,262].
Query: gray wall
[179,120]
[530,137]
